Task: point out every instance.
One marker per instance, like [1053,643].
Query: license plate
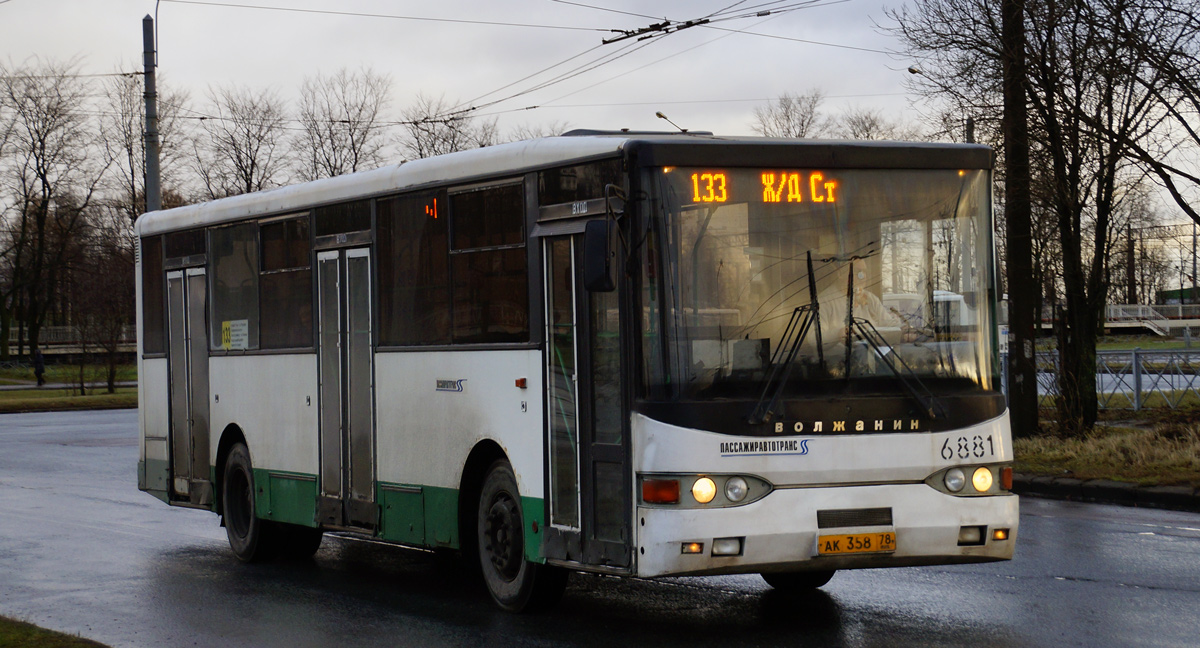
[856,543]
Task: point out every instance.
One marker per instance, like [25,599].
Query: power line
[802,40]
[356,14]
[686,102]
[655,62]
[13,77]
[654,31]
[527,77]
[616,11]
[668,26]
[565,76]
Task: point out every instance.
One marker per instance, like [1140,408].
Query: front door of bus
[588,445]
[188,370]
[347,421]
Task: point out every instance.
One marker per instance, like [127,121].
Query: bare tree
[51,174]
[535,131]
[101,292]
[341,117]
[871,124]
[792,116]
[1164,39]
[432,127]
[1084,109]
[122,136]
[242,145]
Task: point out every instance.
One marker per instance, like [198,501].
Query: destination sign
[778,186]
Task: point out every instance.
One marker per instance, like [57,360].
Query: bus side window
[414,270]
[286,281]
[490,290]
[153,308]
[342,218]
[578,182]
[233,306]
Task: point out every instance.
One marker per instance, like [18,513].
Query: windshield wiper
[802,320]
[867,332]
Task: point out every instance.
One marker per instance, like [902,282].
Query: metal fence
[1128,379]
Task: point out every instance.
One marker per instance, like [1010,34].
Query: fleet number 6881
[965,447]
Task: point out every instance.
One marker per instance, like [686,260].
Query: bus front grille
[840,518]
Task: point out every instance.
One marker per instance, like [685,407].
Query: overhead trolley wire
[654,32]
[356,14]
[617,11]
[626,50]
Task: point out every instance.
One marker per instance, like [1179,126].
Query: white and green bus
[626,353]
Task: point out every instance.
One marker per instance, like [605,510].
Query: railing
[1179,311]
[1147,316]
[1133,380]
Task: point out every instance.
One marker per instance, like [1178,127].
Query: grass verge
[1143,342]
[1163,453]
[66,373]
[18,634]
[50,400]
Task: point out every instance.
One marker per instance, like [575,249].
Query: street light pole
[153,186]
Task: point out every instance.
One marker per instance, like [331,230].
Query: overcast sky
[703,78]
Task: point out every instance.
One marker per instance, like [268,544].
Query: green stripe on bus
[286,497]
[428,516]
[401,513]
[533,511]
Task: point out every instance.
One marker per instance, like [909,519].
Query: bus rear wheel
[798,581]
[514,583]
[251,538]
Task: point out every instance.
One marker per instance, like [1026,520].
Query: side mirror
[597,256]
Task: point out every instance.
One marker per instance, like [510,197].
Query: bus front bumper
[780,532]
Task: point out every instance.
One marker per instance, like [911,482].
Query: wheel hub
[503,537]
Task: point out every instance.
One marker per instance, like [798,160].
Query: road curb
[1103,491]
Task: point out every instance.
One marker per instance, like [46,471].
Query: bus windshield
[870,281]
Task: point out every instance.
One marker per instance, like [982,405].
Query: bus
[635,354]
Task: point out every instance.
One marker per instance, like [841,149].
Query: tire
[251,538]
[798,581]
[514,583]
[297,542]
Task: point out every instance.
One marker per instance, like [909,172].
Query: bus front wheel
[797,581]
[515,584]
[250,538]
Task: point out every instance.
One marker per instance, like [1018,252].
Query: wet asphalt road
[82,551]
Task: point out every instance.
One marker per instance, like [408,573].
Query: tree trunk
[1022,360]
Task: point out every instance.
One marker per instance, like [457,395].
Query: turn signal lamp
[692,548]
[704,490]
[1006,478]
[982,479]
[999,534]
[660,491]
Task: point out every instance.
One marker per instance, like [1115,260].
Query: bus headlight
[736,489]
[982,479]
[955,480]
[704,490]
[712,490]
